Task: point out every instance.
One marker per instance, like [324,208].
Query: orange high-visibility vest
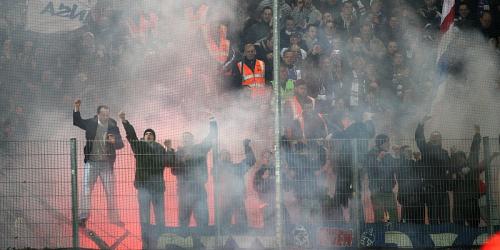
[253,77]
[298,112]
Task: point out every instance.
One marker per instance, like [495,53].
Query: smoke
[470,93]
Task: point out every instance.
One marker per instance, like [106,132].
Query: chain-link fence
[336,193]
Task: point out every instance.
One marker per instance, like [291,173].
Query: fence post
[215,162]
[356,198]
[277,125]
[489,183]
[74,192]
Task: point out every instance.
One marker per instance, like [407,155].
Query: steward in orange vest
[250,72]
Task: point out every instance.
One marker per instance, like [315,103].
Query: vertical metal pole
[277,124]
[215,162]
[356,198]
[489,183]
[74,192]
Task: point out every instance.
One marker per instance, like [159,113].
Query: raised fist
[77,104]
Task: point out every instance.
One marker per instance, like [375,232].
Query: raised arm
[474,147]
[209,141]
[114,130]
[77,118]
[169,157]
[419,134]
[130,132]
[249,160]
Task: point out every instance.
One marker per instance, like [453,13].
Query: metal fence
[339,193]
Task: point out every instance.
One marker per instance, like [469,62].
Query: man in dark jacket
[103,139]
[437,174]
[411,187]
[264,183]
[191,172]
[151,160]
[230,183]
[381,170]
[466,183]
[359,130]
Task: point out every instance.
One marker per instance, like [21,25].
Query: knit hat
[381,139]
[151,131]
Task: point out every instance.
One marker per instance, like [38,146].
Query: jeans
[192,200]
[91,171]
[146,198]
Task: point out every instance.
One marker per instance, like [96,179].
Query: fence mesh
[350,70]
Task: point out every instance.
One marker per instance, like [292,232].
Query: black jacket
[466,184]
[436,164]
[151,158]
[381,171]
[90,127]
[191,161]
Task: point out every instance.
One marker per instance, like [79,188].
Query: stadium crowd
[347,68]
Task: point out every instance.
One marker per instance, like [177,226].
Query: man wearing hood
[151,160]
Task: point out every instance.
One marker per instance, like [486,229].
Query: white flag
[52,16]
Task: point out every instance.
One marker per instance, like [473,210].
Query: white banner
[51,16]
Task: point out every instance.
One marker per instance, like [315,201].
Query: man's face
[283,74]
[347,8]
[366,30]
[250,52]
[149,137]
[398,59]
[394,22]
[187,139]
[463,10]
[290,25]
[376,6]
[392,47]
[485,20]
[346,122]
[329,28]
[301,90]
[307,3]
[267,15]
[103,115]
[168,143]
[312,32]
[327,17]
[289,58]
[435,138]
[326,64]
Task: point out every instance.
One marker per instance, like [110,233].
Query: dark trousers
[192,200]
[466,210]
[439,207]
[147,198]
[413,208]
[234,205]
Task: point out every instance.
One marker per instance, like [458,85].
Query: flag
[447,19]
[54,16]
